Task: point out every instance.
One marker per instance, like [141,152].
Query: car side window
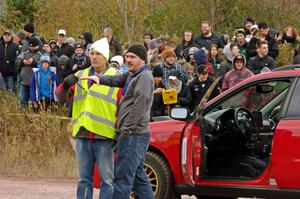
[293,109]
[256,96]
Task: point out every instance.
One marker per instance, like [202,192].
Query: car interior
[237,133]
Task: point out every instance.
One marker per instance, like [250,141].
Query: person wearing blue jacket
[43,85]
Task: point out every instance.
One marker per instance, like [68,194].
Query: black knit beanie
[139,50]
[29,28]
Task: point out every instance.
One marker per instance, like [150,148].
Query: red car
[243,143]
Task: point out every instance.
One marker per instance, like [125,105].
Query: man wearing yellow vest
[93,118]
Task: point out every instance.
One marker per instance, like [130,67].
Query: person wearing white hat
[94,120]
[133,124]
[62,47]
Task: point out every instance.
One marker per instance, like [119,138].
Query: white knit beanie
[102,47]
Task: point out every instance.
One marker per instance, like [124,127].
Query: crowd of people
[33,67]
[117,91]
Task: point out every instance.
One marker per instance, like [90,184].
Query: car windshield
[256,96]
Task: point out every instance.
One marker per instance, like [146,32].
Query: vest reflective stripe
[99,95]
[94,108]
[94,117]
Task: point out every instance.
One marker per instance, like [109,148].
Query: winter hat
[45,58]
[29,28]
[192,50]
[21,35]
[241,31]
[102,47]
[139,50]
[202,69]
[200,57]
[262,25]
[174,74]
[239,57]
[167,53]
[33,41]
[157,71]
[71,41]
[62,60]
[118,59]
[254,27]
[79,46]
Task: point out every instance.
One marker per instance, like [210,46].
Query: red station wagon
[243,143]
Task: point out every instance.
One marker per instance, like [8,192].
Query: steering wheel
[246,124]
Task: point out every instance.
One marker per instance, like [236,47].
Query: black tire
[159,175]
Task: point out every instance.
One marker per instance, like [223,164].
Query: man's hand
[93,78]
[158,90]
[74,67]
[28,61]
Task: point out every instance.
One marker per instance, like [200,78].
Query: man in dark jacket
[263,35]
[29,32]
[8,54]
[208,37]
[79,60]
[26,61]
[114,45]
[158,106]
[200,85]
[62,47]
[262,62]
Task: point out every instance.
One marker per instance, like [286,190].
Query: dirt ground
[41,188]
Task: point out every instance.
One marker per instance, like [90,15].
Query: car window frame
[292,80]
[293,102]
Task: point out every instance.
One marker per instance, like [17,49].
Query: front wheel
[159,174]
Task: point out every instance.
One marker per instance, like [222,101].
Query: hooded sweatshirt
[235,76]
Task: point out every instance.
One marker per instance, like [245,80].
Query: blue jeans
[24,95]
[10,83]
[88,152]
[130,173]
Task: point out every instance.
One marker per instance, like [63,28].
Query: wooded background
[131,18]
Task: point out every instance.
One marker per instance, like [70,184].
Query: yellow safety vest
[94,108]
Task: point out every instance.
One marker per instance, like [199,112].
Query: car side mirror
[179,113]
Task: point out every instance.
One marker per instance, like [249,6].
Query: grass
[34,144]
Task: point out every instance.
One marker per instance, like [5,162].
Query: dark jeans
[130,174]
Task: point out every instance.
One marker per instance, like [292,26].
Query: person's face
[239,64]
[61,38]
[107,33]
[263,50]
[27,34]
[234,51]
[170,60]
[240,37]
[203,76]
[147,38]
[248,25]
[7,37]
[205,28]
[264,31]
[45,66]
[173,81]
[192,58]
[187,36]
[97,59]
[289,32]
[78,52]
[134,62]
[157,80]
[47,48]
[214,51]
